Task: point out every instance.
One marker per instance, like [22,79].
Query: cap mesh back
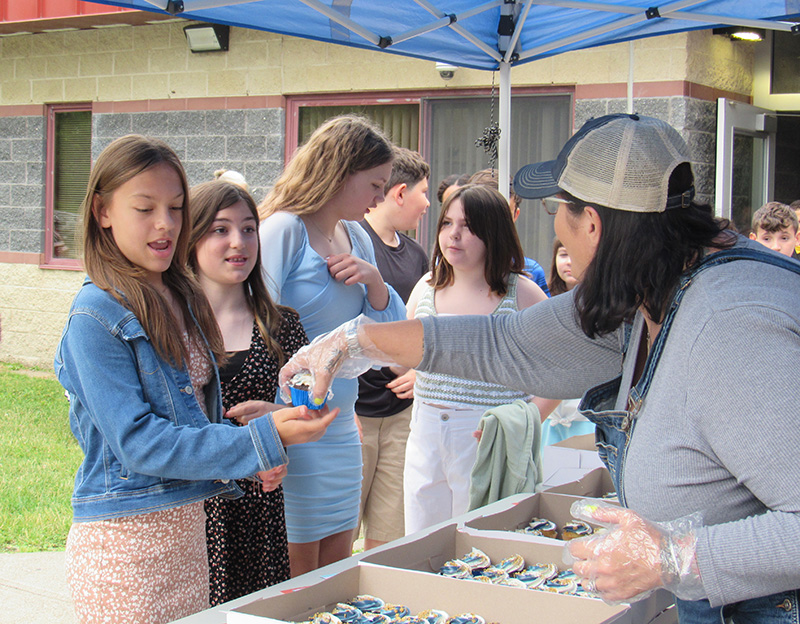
[625,164]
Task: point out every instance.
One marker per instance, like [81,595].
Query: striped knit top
[449,390]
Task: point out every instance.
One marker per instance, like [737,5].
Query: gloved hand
[634,556]
[343,352]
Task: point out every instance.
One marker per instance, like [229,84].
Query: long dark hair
[488,217]
[205,201]
[640,258]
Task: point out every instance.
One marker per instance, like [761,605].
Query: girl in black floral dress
[247,546]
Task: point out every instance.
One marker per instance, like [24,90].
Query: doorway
[787,157]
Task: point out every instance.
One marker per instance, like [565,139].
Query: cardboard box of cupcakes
[501,564]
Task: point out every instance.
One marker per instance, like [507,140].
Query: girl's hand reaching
[297,425]
[271,479]
[246,411]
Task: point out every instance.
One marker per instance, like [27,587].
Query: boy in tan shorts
[385,397]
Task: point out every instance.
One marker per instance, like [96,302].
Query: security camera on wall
[446,71]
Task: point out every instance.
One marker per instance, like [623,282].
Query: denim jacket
[148,445]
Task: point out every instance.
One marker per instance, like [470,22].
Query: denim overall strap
[638,392]
[781,608]
[615,427]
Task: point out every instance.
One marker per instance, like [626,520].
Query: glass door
[745,160]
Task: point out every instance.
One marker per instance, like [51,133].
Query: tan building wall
[153,63]
[33,308]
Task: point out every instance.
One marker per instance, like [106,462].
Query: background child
[795,205]
[533,269]
[477,268]
[319,261]
[385,396]
[247,545]
[137,358]
[775,226]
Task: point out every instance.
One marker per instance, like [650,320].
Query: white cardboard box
[429,553]
[594,484]
[518,513]
[420,590]
[569,460]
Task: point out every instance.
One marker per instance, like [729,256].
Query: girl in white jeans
[477,269]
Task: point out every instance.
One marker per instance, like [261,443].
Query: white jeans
[439,456]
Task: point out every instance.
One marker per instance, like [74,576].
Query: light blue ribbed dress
[322,490]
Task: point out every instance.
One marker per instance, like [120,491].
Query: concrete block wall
[695,119]
[22,161]
[33,301]
[251,141]
[153,64]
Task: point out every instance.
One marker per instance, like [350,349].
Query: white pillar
[504,146]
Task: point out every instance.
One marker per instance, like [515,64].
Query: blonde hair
[234,177]
[340,147]
[110,270]
[205,201]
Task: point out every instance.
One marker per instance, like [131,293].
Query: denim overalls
[615,427]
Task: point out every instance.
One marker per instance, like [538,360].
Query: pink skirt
[145,569]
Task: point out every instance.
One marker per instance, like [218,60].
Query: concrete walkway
[33,589]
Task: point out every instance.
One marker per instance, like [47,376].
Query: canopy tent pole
[630,77]
[504,145]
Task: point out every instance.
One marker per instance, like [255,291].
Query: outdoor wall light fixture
[446,71]
[741,33]
[207,37]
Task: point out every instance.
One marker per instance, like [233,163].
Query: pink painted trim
[665,88]
[190,104]
[20,257]
[49,183]
[59,264]
[22,110]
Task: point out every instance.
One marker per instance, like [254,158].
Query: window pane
[400,122]
[73,161]
[540,125]
[785,61]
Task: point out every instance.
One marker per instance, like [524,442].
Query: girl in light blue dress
[319,261]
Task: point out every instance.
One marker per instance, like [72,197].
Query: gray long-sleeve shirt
[719,430]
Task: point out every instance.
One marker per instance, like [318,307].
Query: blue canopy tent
[491,35]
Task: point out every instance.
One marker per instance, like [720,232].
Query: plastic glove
[634,556]
[343,352]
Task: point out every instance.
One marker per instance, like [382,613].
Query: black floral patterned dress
[247,545]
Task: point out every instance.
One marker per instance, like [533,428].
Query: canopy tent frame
[502,53]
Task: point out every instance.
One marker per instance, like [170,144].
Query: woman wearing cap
[683,339]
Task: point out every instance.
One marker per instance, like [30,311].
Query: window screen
[72,161]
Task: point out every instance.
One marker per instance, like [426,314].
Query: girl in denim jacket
[138,360]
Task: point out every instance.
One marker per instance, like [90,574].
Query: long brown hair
[340,147]
[110,270]
[205,201]
[488,217]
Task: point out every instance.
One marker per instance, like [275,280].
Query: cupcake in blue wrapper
[300,390]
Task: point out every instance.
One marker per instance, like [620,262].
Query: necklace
[319,229]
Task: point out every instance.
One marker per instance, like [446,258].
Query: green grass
[38,460]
